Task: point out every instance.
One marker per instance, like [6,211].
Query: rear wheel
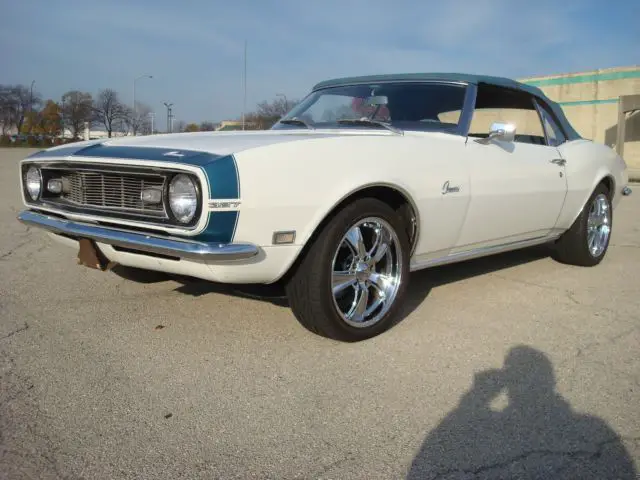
[587,241]
[351,282]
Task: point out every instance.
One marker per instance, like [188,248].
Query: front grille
[112,191]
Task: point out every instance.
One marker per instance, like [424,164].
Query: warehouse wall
[590,101]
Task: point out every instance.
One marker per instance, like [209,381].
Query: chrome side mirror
[502,131]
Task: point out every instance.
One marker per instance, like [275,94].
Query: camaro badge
[215,204]
[447,189]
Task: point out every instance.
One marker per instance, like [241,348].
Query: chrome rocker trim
[174,247]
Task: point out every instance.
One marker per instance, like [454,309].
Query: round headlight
[33,182]
[183,198]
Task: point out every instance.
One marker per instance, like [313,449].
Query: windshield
[407,106]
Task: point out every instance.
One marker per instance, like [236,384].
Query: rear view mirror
[377,101]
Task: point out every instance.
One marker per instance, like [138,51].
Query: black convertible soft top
[571,133]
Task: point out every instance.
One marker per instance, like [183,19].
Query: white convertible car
[364,181]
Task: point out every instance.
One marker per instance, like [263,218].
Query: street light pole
[169,126]
[134,98]
[244,101]
[31,107]
[31,97]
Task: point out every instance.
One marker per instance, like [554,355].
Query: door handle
[559,161]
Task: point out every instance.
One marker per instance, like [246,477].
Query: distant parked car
[364,181]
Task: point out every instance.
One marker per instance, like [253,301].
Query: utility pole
[62,117]
[31,97]
[31,108]
[169,117]
[152,116]
[244,101]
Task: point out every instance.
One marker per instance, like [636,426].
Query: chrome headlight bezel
[32,170]
[196,210]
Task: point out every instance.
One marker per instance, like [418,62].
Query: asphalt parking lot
[509,367]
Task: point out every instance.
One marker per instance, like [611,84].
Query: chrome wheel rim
[366,272]
[598,225]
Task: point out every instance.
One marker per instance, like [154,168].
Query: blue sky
[194,48]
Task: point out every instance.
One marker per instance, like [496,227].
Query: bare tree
[268,113]
[179,126]
[8,109]
[277,108]
[138,120]
[76,110]
[207,127]
[16,102]
[109,111]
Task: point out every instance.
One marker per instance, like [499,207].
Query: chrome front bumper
[174,247]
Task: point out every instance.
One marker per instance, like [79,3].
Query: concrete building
[590,101]
[228,125]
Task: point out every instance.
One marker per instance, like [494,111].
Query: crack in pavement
[11,334]
[26,444]
[28,235]
[569,294]
[14,249]
[582,352]
[606,341]
[572,455]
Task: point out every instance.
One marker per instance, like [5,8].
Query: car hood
[198,148]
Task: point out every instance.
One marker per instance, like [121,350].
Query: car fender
[588,164]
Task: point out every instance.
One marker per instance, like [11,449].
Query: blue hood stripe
[224,184]
[221,227]
[59,152]
[223,178]
[98,150]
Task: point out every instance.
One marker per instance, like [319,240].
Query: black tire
[309,288]
[572,247]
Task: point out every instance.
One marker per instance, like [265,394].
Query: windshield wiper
[369,122]
[296,121]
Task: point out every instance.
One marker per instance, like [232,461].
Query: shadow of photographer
[535,435]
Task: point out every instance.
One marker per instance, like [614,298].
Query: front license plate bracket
[90,255]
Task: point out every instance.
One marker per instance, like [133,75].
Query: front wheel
[586,242]
[351,282]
